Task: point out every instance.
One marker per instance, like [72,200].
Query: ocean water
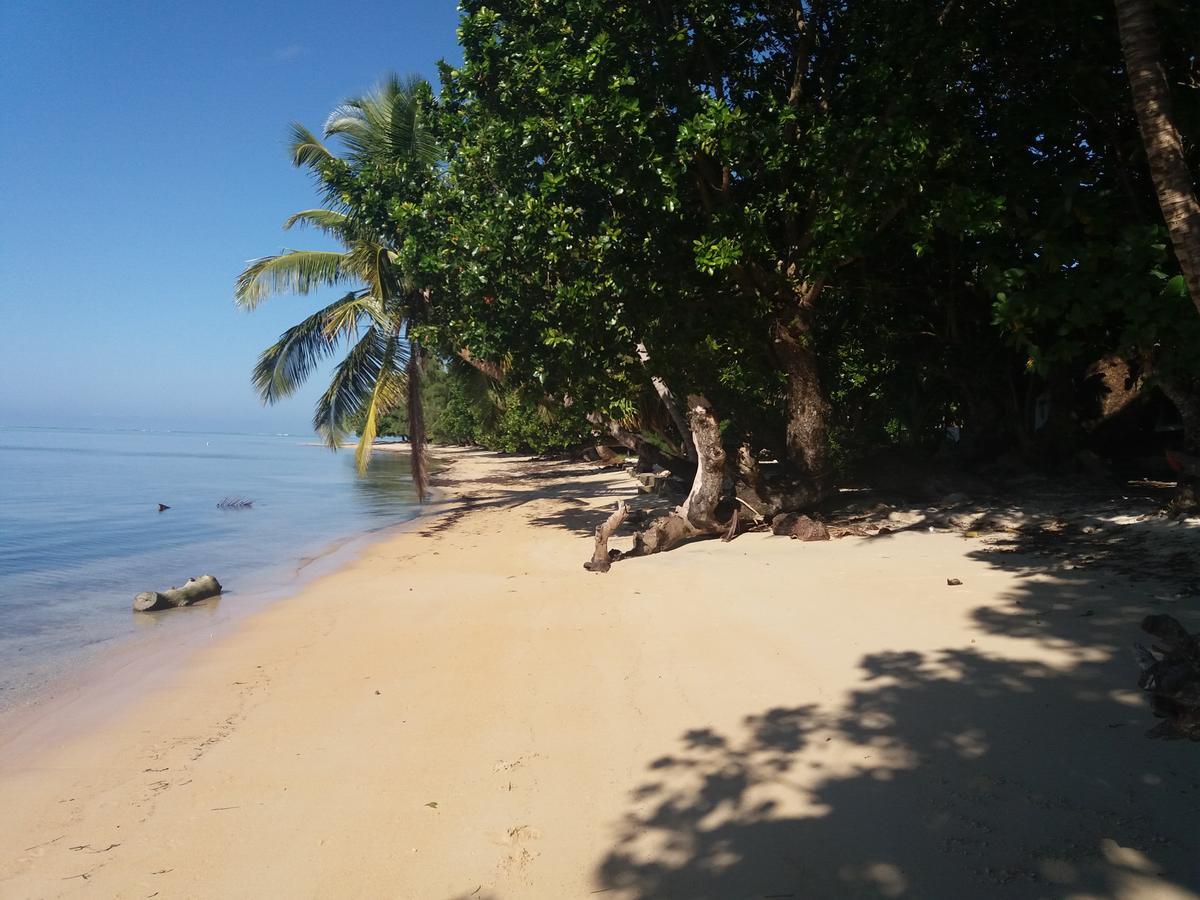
[80,532]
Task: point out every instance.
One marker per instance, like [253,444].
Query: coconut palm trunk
[418,440]
[1164,146]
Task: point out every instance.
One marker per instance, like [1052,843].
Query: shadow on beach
[952,774]
[947,774]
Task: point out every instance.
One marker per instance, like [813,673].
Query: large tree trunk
[701,514]
[1164,148]
[807,408]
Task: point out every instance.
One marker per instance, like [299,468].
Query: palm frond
[288,363]
[388,123]
[376,359]
[330,221]
[372,262]
[292,272]
[388,388]
[306,148]
[344,319]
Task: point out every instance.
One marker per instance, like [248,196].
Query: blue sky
[144,163]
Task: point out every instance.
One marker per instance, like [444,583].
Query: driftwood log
[702,514]
[195,590]
[1171,675]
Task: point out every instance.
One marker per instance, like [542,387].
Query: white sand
[467,713]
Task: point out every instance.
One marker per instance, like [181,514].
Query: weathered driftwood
[602,558]
[1171,675]
[195,590]
[702,513]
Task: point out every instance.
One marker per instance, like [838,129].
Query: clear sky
[142,151]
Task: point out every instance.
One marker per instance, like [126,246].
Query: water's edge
[85,695]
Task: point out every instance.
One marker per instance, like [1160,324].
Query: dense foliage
[464,407]
[848,225]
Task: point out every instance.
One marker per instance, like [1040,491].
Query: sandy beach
[464,712]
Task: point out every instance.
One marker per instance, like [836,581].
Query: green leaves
[292,272]
[369,379]
[380,182]
[713,256]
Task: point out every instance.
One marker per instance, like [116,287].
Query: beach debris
[799,527]
[195,590]
[1171,676]
[953,582]
[432,804]
[699,514]
[162,507]
[235,503]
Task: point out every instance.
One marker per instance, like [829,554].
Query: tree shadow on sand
[959,773]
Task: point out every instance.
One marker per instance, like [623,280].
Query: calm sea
[80,532]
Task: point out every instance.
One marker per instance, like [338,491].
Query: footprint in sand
[503,766]
[516,835]
[518,858]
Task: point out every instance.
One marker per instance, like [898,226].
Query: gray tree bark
[1164,147]
[697,516]
[195,590]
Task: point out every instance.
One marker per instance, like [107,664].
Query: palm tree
[1164,147]
[384,137]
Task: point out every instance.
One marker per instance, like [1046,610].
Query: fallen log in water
[195,590]
[1171,675]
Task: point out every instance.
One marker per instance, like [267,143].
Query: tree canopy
[847,226]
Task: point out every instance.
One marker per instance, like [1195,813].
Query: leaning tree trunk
[667,397]
[701,514]
[492,370]
[807,408]
[1164,147]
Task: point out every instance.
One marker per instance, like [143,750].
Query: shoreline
[72,557]
[91,689]
[462,711]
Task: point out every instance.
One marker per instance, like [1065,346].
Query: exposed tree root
[702,514]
